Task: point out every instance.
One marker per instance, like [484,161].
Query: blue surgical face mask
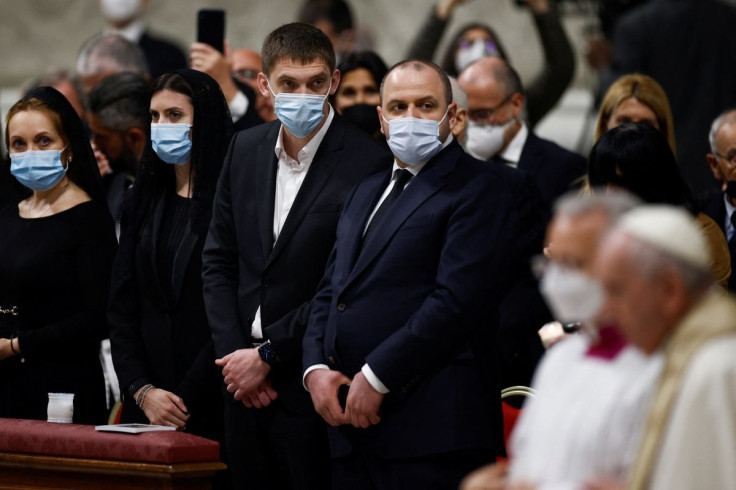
[39,170]
[171,142]
[414,140]
[300,113]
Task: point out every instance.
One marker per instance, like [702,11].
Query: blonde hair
[647,91]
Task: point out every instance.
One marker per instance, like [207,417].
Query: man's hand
[244,371]
[165,408]
[363,403]
[490,477]
[323,385]
[445,8]
[261,397]
[205,58]
[103,164]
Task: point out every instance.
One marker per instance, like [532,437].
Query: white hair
[726,117]
[613,204]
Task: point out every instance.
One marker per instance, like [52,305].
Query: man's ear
[713,164]
[517,104]
[135,138]
[262,83]
[380,119]
[335,81]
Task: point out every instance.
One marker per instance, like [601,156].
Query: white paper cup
[61,408]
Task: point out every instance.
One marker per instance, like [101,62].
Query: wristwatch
[267,353]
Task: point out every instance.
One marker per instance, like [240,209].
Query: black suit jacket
[163,341]
[554,169]
[162,56]
[715,208]
[418,304]
[243,267]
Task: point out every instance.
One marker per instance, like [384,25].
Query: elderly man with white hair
[654,267]
[592,389]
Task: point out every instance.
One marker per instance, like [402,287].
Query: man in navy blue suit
[406,312]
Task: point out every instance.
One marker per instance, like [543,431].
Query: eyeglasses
[246,74]
[731,159]
[484,115]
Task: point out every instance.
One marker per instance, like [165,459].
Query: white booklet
[132,428]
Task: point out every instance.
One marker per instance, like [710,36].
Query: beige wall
[37,35]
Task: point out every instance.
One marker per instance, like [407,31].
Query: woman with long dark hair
[637,157]
[160,337]
[56,251]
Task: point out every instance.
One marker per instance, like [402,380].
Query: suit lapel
[324,162]
[429,181]
[527,159]
[266,166]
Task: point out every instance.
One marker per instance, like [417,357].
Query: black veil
[83,170]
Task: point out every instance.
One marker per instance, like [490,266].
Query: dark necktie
[401,177]
[732,241]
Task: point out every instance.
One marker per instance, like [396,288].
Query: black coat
[161,56]
[244,268]
[715,208]
[165,342]
[554,169]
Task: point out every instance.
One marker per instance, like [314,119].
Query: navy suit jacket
[242,265]
[418,304]
[554,169]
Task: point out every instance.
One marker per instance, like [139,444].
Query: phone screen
[211,28]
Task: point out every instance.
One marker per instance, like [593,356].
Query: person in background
[124,17]
[497,133]
[69,85]
[689,47]
[475,41]
[105,54]
[335,19]
[722,162]
[636,98]
[655,271]
[273,228]
[159,334]
[592,388]
[246,65]
[638,158]
[358,96]
[119,120]
[57,248]
[240,97]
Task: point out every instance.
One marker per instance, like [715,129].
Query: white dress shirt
[290,175]
[370,376]
[512,153]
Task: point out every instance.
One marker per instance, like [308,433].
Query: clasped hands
[363,402]
[245,375]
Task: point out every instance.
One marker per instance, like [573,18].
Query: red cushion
[83,441]
[510,415]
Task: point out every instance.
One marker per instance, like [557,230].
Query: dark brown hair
[299,42]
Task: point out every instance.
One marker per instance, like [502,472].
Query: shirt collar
[512,153]
[306,154]
[132,32]
[415,169]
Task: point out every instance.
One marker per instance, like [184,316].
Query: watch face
[267,353]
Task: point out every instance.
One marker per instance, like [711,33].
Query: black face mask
[364,116]
[731,189]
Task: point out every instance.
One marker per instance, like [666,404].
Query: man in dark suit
[124,18]
[119,119]
[406,314]
[274,219]
[721,206]
[496,131]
